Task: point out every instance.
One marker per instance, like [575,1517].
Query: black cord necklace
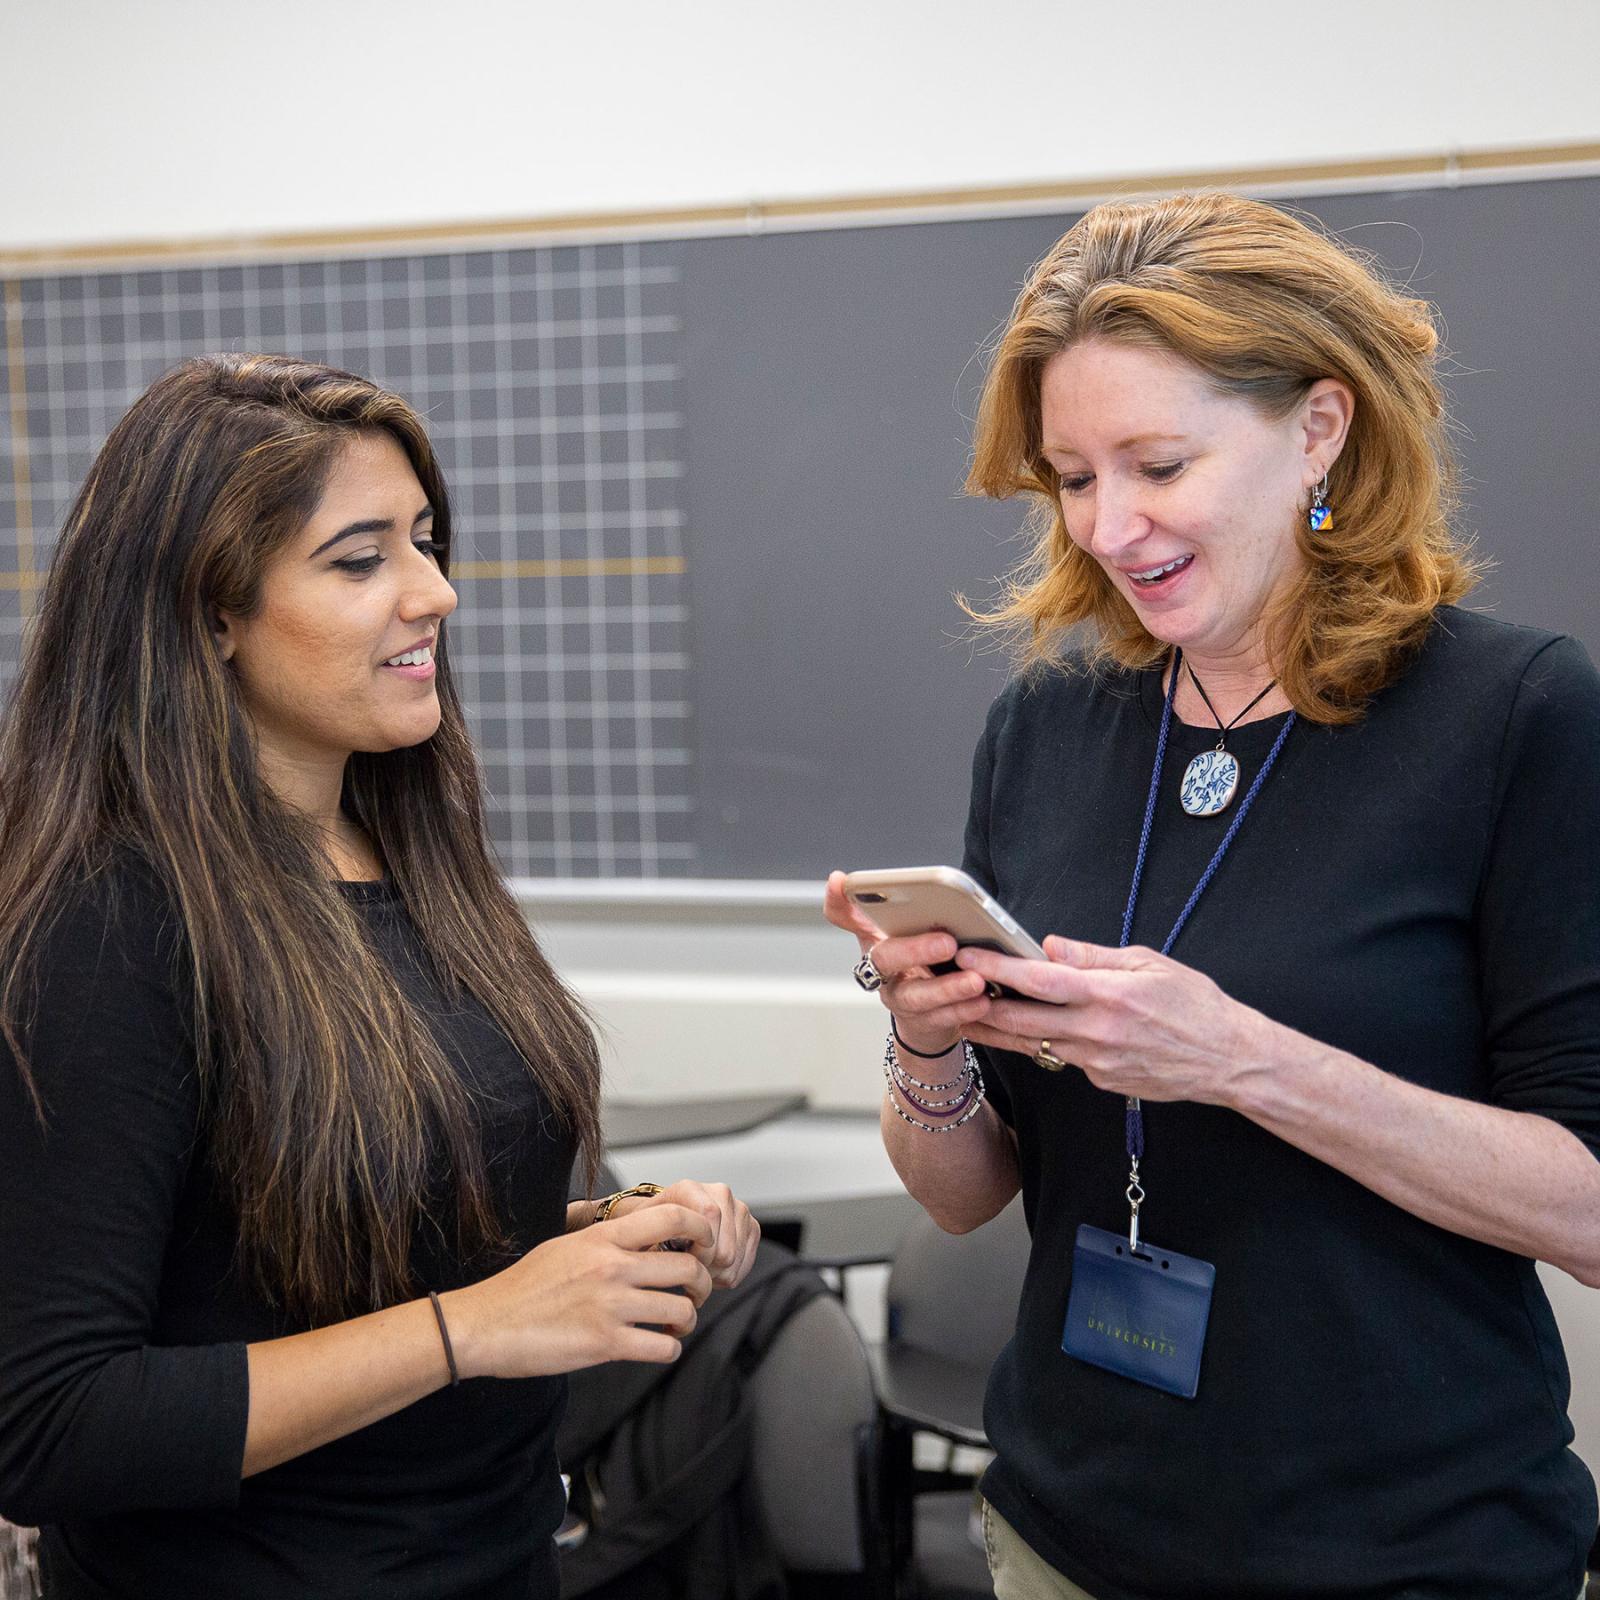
[1211,780]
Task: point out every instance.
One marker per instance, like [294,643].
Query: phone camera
[867,898]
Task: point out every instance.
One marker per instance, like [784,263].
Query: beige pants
[1018,1572]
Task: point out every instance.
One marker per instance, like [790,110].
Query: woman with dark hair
[1327,849]
[289,1096]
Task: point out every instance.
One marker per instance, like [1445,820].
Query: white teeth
[1159,572]
[412,658]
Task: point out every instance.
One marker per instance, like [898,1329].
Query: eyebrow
[1122,444]
[1150,438]
[370,525]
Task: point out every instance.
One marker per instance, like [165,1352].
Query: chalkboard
[549,381]
[829,382]
[710,501]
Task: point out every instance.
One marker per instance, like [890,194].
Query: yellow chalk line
[26,579]
[580,567]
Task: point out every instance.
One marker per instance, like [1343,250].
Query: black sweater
[124,1318]
[1382,1403]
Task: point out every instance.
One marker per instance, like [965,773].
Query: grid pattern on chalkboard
[550,381]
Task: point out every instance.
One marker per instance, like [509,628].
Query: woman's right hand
[603,1293]
[930,1010]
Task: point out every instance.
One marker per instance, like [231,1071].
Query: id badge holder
[1134,1309]
[1138,1310]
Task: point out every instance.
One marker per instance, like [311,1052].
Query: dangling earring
[1320,516]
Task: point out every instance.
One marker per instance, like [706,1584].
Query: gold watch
[602,1212]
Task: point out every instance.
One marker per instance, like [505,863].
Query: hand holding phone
[904,901]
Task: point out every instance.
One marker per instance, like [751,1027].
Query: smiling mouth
[412,658]
[1154,575]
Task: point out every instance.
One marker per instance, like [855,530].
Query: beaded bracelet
[963,1076]
[921,1102]
[975,1091]
[955,1106]
[908,1086]
[976,1097]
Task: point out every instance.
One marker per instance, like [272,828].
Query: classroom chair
[952,1307]
[1577,1309]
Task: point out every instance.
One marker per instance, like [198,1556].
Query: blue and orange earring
[1320,516]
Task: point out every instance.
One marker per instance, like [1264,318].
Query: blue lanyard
[1135,1118]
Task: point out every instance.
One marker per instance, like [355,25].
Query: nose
[428,592]
[1112,521]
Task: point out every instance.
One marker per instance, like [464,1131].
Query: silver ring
[868,976]
[1047,1058]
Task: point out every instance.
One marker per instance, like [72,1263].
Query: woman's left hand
[1134,1021]
[737,1233]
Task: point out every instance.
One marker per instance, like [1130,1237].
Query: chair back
[956,1295]
[812,1440]
[1577,1309]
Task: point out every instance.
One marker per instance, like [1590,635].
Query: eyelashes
[1157,472]
[364,566]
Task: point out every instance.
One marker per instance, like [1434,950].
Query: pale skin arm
[1138,1023]
[597,1293]
[965,1177]
[966,1182]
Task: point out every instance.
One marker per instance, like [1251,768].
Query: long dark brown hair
[329,1101]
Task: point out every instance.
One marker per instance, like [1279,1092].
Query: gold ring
[1047,1058]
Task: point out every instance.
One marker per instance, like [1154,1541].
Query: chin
[1186,631]
[399,738]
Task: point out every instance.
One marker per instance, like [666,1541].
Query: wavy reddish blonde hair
[1263,306]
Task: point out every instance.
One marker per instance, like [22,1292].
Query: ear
[1325,416]
[223,631]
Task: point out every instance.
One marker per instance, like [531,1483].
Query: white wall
[170,119]
[702,992]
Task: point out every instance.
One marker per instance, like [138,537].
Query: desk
[841,1231]
[627,1123]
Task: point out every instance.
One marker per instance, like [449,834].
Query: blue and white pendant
[1210,782]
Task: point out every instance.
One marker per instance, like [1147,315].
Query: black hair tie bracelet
[911,1050]
[444,1333]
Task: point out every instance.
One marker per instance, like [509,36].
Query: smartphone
[909,900]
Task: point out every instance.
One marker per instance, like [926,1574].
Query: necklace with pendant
[1211,780]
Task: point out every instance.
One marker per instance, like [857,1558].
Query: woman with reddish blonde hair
[1311,1075]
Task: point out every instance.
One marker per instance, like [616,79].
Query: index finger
[1039,980]
[654,1225]
[844,913]
[912,952]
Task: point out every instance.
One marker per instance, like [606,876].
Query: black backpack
[659,1455]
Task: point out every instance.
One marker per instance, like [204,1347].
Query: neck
[313,785]
[1231,682]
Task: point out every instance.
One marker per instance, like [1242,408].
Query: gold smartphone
[911,900]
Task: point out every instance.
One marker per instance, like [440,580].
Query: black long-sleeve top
[1382,1403]
[124,1315]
